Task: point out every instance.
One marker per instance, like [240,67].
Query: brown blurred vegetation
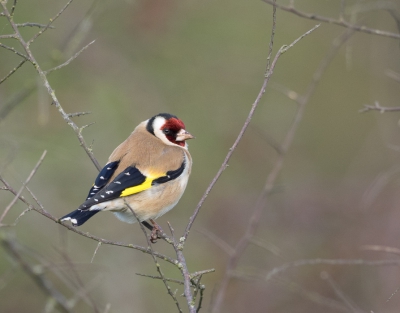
[204,61]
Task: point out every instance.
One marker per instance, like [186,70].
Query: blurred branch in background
[378,107]
[43,74]
[255,218]
[341,21]
[3,215]
[238,252]
[36,273]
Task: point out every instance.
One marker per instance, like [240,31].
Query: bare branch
[392,250]
[34,25]
[158,266]
[241,133]
[43,212]
[393,75]
[37,276]
[339,22]
[342,9]
[15,51]
[12,71]
[325,276]
[273,175]
[13,7]
[158,277]
[11,36]
[335,262]
[49,24]
[313,296]
[219,242]
[22,188]
[95,252]
[78,114]
[200,273]
[378,107]
[43,77]
[69,60]
[184,270]
[15,100]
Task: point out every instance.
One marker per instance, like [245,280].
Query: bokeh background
[204,61]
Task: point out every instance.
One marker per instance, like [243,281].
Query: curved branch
[339,22]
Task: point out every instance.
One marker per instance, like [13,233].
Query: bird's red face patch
[174,124]
[171,128]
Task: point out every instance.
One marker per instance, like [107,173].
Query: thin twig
[37,276]
[329,20]
[342,9]
[335,262]
[158,266]
[184,270]
[252,225]
[43,212]
[14,51]
[34,25]
[158,277]
[48,25]
[200,273]
[312,296]
[78,114]
[219,242]
[13,71]
[325,276]
[378,107]
[13,7]
[11,36]
[15,100]
[95,252]
[238,139]
[69,60]
[46,83]
[392,250]
[15,199]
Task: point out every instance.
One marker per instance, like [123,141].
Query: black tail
[78,217]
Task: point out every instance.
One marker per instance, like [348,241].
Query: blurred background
[204,61]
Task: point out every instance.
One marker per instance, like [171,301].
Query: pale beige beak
[183,135]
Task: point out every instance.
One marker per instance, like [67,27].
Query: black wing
[129,182]
[103,178]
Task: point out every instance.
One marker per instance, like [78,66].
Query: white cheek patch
[159,121]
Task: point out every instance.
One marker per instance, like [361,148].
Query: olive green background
[204,61]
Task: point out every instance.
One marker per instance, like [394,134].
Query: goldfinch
[149,171]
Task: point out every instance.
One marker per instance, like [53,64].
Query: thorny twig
[158,266]
[43,212]
[340,22]
[37,276]
[15,199]
[335,262]
[29,56]
[378,107]
[340,294]
[252,225]
[69,60]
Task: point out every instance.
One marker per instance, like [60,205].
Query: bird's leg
[147,225]
[155,232]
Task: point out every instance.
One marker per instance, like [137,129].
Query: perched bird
[149,171]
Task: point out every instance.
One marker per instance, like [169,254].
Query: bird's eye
[166,131]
